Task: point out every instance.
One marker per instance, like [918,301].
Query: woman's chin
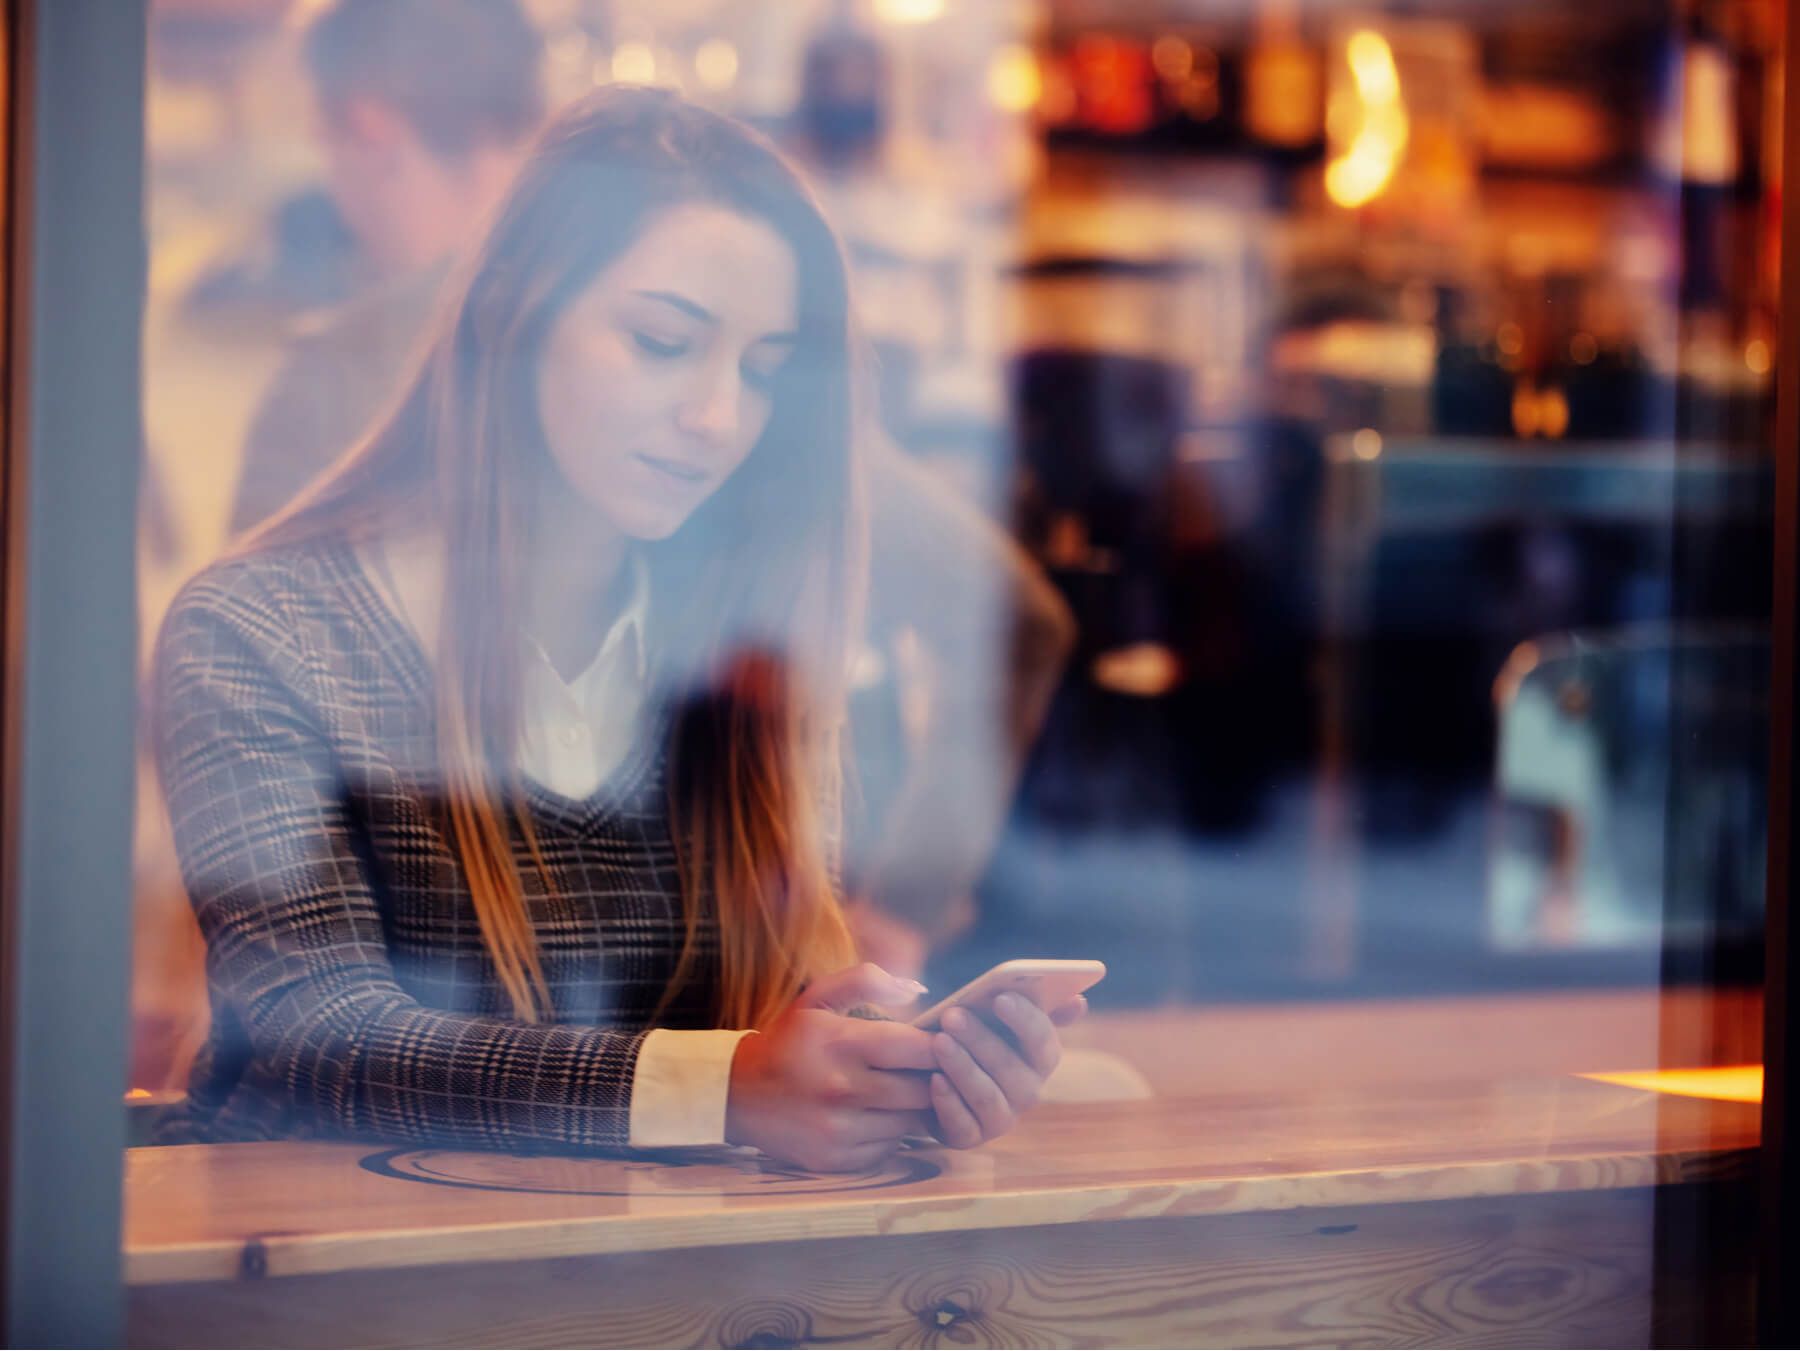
[652,523]
[640,514]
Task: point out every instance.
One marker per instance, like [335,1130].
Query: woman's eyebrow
[681,303]
[697,311]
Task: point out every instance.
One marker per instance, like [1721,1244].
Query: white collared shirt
[576,732]
[573,734]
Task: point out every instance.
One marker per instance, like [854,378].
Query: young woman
[502,765]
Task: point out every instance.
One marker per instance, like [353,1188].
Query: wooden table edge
[263,1255]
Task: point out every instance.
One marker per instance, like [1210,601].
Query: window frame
[75,267]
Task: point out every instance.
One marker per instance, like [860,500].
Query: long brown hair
[753,597]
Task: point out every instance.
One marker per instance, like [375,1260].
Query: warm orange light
[1112,77]
[1173,58]
[908,11]
[1143,670]
[1373,119]
[1526,413]
[1727,1083]
[1283,101]
[716,63]
[634,63]
[1013,81]
[1553,413]
[1372,65]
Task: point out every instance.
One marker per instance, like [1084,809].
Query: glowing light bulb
[908,11]
[634,63]
[1173,58]
[716,63]
[1372,118]
[1013,80]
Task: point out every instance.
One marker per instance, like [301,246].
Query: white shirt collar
[627,633]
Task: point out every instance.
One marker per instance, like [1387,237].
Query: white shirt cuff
[678,1093]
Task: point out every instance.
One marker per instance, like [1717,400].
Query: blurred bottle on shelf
[844,92]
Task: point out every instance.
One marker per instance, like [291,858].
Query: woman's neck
[574,581]
[575,584]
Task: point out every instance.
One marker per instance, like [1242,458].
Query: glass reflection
[1276,500]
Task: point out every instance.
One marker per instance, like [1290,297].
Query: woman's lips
[675,469]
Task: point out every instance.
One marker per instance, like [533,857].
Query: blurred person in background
[503,763]
[423,106]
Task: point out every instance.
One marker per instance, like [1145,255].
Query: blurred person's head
[655,335]
[423,108]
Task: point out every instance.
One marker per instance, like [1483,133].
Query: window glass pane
[649,505]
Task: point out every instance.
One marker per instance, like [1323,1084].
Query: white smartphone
[1047,982]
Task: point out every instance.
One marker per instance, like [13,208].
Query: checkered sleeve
[271,855]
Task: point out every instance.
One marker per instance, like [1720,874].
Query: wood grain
[1390,1177]
[204,1212]
[1523,1271]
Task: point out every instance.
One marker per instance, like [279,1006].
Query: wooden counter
[1497,1208]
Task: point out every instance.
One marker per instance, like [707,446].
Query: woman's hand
[830,1092]
[885,939]
[984,1081]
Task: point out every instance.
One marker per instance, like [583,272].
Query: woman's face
[655,383]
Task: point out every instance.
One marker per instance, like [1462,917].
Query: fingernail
[914,987]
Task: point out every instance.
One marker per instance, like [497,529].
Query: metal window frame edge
[68,673]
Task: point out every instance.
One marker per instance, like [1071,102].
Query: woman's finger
[891,1091]
[1072,1012]
[956,1124]
[888,1046]
[870,1127]
[865,983]
[1032,1029]
[973,1084]
[862,1158]
[1004,1065]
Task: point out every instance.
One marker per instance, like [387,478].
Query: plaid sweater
[351,992]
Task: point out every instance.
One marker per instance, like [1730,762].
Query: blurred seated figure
[1631,810]
[416,163]
[424,106]
[1448,554]
[989,637]
[1167,720]
[1096,434]
[307,260]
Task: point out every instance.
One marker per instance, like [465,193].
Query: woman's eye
[759,377]
[656,347]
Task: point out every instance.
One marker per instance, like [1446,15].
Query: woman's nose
[711,411]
